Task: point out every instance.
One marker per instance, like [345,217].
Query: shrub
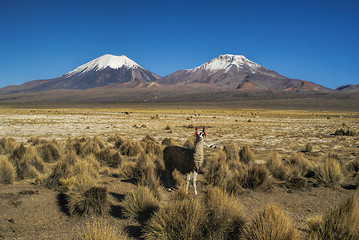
[85,197]
[246,155]
[178,219]
[329,173]
[101,230]
[341,223]
[270,224]
[7,171]
[139,204]
[127,169]
[225,217]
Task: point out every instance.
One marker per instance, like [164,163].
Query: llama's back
[178,158]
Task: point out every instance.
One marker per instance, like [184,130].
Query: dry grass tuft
[225,217]
[85,197]
[341,223]
[101,230]
[24,160]
[151,146]
[109,157]
[246,155]
[251,176]
[7,171]
[140,204]
[345,132]
[232,152]
[169,142]
[329,173]
[178,219]
[276,167]
[8,145]
[49,152]
[63,169]
[129,148]
[270,224]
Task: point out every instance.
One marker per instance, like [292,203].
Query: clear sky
[316,40]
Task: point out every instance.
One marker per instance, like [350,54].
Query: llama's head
[200,135]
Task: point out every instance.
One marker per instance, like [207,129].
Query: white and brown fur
[186,161]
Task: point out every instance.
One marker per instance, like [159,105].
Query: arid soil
[30,211]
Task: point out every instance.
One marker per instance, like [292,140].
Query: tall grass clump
[251,176]
[64,168]
[178,219]
[169,142]
[270,224]
[246,155]
[232,151]
[86,197]
[49,152]
[8,145]
[217,171]
[329,173]
[26,162]
[341,223]
[151,146]
[139,204]
[225,217]
[7,171]
[101,230]
[109,157]
[92,146]
[276,167]
[130,148]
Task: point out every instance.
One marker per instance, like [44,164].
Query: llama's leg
[194,182]
[187,181]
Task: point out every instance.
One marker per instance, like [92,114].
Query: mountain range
[226,72]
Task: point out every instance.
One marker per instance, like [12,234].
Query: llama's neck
[198,153]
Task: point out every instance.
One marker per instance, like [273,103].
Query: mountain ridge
[226,72]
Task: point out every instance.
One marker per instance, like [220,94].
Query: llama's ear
[204,131]
[196,132]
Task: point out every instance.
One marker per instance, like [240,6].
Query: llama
[186,161]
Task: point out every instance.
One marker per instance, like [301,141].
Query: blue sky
[315,40]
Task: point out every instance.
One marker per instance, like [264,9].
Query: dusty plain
[30,211]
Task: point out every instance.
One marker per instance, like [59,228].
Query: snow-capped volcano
[106,70]
[226,62]
[105,61]
[236,72]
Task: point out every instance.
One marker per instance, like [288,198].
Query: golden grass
[270,224]
[7,171]
[246,155]
[341,223]
[178,219]
[329,173]
[101,229]
[139,204]
[225,216]
[86,197]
